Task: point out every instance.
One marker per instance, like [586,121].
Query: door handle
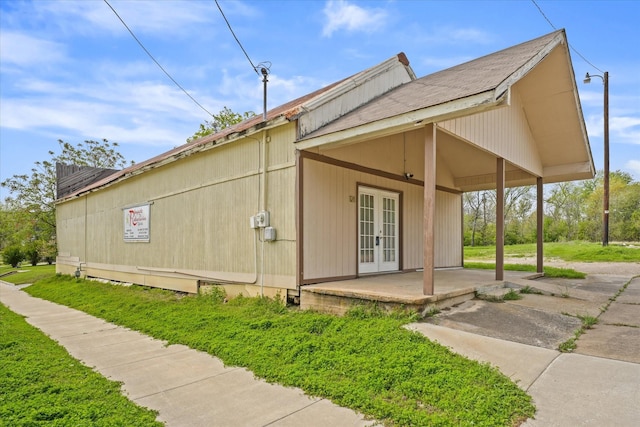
[377,240]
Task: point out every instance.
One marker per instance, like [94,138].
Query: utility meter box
[259,220]
[262,219]
[269,234]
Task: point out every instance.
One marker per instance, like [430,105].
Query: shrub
[13,255]
[32,254]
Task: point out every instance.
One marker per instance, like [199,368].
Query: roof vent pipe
[265,73]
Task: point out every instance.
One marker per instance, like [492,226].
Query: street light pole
[605,214]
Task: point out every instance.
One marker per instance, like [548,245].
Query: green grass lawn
[365,361]
[566,273]
[567,251]
[27,273]
[40,384]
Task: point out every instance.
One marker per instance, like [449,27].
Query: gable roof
[490,75]
[539,70]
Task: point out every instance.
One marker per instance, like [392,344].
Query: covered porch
[404,291]
[508,119]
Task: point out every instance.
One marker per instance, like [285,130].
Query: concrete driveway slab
[578,390]
[612,342]
[560,305]
[631,295]
[511,322]
[621,314]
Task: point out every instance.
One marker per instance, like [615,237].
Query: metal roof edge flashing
[170,158]
[350,83]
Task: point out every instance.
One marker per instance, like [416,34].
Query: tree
[573,210]
[12,255]
[225,118]
[30,209]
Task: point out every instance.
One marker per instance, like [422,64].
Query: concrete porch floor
[403,290]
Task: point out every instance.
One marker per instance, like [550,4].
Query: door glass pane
[389,230]
[367,237]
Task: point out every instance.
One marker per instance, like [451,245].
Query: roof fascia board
[576,97]
[529,65]
[567,169]
[449,110]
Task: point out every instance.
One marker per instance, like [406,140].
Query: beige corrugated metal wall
[497,131]
[199,218]
[448,230]
[330,206]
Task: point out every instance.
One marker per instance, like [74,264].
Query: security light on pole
[605,215]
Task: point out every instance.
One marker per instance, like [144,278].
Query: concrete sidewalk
[186,387]
[567,389]
[598,386]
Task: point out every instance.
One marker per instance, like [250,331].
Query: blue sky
[70,70]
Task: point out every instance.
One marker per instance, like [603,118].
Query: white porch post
[429,206]
[540,226]
[500,178]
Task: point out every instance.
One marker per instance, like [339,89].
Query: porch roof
[548,91]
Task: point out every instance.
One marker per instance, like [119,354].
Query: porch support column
[500,177]
[539,226]
[429,206]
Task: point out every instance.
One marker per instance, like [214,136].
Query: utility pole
[605,202]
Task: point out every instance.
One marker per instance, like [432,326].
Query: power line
[238,41]
[570,46]
[544,16]
[154,60]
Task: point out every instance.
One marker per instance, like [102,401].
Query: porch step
[336,302]
[495,293]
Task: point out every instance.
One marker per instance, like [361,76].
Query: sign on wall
[136,223]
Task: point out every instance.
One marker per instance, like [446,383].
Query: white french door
[378,239]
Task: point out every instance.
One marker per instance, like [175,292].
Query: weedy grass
[571,344]
[566,273]
[27,273]
[42,385]
[529,290]
[567,251]
[365,360]
[511,295]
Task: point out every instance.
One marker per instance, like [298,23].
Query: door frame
[399,213]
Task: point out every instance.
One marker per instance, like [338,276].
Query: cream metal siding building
[362,177]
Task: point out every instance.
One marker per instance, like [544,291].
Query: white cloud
[626,128]
[622,129]
[143,17]
[26,51]
[446,35]
[342,15]
[633,166]
[244,92]
[466,35]
[142,112]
